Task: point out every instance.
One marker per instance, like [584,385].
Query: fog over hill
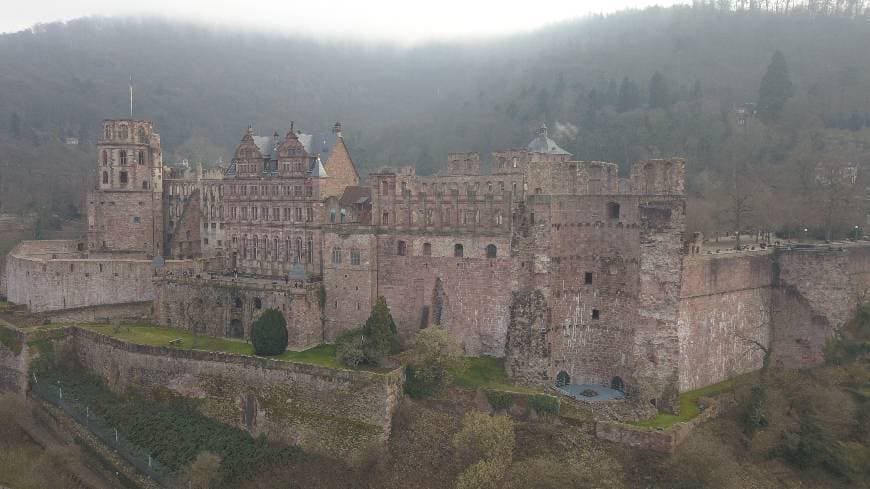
[592,81]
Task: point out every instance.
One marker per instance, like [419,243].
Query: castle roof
[543,144]
[317,169]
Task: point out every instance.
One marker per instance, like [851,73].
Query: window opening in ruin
[342,216]
[491,251]
[332,215]
[427,249]
[612,210]
[354,256]
[145,185]
[596,314]
[105,177]
[123,178]
[385,218]
[105,158]
[401,248]
[136,220]
[562,379]
[336,255]
[237,303]
[617,384]
[458,250]
[123,157]
[438,301]
[141,157]
[258,303]
[587,278]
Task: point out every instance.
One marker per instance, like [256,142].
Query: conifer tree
[380,330]
[776,89]
[629,96]
[659,98]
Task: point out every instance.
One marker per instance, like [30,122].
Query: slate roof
[355,195]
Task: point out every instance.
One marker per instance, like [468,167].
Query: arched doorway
[617,384]
[236,329]
[562,379]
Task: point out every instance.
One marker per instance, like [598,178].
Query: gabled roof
[317,169]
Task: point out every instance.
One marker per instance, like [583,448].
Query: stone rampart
[340,412]
[55,275]
[725,305]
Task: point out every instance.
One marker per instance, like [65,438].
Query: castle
[565,268]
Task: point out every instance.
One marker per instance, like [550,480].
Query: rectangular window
[596,314]
[587,278]
[123,178]
[298,214]
[136,220]
[354,256]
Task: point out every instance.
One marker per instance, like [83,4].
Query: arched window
[105,158]
[563,379]
[427,249]
[401,248]
[105,177]
[612,210]
[491,251]
[123,157]
[458,250]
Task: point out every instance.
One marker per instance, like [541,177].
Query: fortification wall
[54,275]
[818,291]
[131,312]
[222,307]
[725,305]
[470,295]
[340,412]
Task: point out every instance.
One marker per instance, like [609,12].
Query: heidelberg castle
[560,266]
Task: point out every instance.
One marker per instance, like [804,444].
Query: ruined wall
[725,305]
[469,295]
[350,286]
[125,221]
[53,275]
[133,312]
[228,307]
[339,412]
[584,265]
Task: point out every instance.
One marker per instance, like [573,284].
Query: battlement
[659,177]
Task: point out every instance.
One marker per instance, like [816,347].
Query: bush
[428,373]
[544,404]
[269,334]
[350,348]
[204,471]
[499,399]
[486,443]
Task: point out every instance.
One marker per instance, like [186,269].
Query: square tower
[125,211]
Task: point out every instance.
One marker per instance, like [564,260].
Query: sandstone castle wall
[339,412]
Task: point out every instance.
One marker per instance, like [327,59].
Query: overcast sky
[399,20]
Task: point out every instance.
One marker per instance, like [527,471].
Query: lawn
[688,406]
[143,334]
[484,372]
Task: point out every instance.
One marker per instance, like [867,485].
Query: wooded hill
[636,84]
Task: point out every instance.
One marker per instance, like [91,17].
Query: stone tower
[125,211]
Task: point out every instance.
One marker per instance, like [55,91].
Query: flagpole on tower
[131,96]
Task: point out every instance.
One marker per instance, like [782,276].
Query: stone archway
[236,329]
[562,379]
[617,384]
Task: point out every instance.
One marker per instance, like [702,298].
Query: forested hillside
[637,84]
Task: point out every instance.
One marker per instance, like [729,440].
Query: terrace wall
[338,412]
